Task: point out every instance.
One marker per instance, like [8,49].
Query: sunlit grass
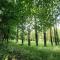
[32,52]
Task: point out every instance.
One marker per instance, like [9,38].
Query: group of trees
[28,15]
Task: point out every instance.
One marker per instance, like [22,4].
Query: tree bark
[55,36]
[29,37]
[36,32]
[45,39]
[51,36]
[7,35]
[17,34]
[22,35]
[56,33]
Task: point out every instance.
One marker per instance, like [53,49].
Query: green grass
[29,52]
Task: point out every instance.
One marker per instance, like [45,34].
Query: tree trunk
[51,36]
[9,57]
[28,38]
[45,39]
[36,36]
[22,35]
[56,33]
[36,32]
[7,35]
[55,36]
[17,34]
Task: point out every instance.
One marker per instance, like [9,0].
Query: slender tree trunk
[51,36]
[7,35]
[55,36]
[36,32]
[45,39]
[7,39]
[36,36]
[28,38]
[56,33]
[22,35]
[17,34]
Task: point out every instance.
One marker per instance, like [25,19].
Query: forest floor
[18,52]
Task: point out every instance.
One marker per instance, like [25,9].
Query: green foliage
[28,15]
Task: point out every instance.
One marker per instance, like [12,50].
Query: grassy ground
[18,52]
